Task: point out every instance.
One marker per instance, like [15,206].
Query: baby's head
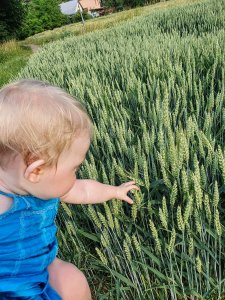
[40,126]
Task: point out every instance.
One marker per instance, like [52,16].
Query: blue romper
[28,245]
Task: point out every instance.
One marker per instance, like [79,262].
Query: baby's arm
[87,191]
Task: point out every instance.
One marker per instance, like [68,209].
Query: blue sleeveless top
[28,245]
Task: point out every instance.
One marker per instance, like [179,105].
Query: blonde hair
[38,121]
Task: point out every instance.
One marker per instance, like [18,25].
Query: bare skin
[35,179]
[68,281]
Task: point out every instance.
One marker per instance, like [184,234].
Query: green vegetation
[12,59]
[11,17]
[16,60]
[22,18]
[130,3]
[154,87]
[40,16]
[101,22]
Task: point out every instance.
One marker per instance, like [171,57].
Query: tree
[12,13]
[129,3]
[112,3]
[77,17]
[42,15]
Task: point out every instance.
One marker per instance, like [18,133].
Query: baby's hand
[123,189]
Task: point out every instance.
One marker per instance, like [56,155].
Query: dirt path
[33,47]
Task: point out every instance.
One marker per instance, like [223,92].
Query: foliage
[128,3]
[42,15]
[11,16]
[100,23]
[154,88]
[12,59]
[77,17]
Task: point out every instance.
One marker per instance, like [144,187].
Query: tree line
[22,18]
[127,3]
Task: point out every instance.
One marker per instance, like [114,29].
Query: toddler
[44,137]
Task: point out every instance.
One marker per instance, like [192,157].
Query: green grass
[13,58]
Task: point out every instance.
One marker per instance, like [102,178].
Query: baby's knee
[68,281]
[75,283]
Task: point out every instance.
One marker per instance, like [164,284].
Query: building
[70,7]
[93,7]
[90,4]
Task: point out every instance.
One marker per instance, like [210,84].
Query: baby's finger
[129,182]
[133,187]
[129,200]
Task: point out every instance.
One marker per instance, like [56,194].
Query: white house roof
[69,8]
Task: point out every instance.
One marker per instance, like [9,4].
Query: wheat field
[154,88]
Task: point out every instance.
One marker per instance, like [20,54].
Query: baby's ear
[34,170]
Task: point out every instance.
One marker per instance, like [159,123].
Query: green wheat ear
[190,246]
[217,223]
[171,246]
[93,216]
[109,215]
[134,210]
[101,256]
[197,221]
[221,162]
[180,222]
[185,182]
[127,251]
[163,218]
[146,176]
[105,239]
[103,219]
[198,264]
[138,197]
[207,208]
[198,190]
[66,209]
[137,245]
[155,236]
[164,208]
[117,227]
[216,195]
[173,194]
[203,176]
[188,209]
